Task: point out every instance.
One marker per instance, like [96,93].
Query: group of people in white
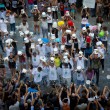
[51,59]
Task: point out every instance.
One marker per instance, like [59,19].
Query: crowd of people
[58,66]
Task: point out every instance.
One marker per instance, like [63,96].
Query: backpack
[66,107]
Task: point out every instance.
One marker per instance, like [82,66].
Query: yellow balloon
[60,23]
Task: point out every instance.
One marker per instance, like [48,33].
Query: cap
[54,25]
[26,40]
[84,29]
[62,47]
[20,53]
[24,70]
[40,41]
[79,68]
[35,7]
[49,9]
[44,14]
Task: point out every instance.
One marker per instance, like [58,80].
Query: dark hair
[39,69]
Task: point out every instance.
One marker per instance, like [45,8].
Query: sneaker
[102,71]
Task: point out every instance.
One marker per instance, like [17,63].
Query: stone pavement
[103,79]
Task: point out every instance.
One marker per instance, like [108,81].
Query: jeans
[96,72]
[12,27]
[45,32]
[49,27]
[80,82]
[30,7]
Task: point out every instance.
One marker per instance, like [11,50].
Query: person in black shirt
[12,63]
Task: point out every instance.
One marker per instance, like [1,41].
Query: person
[66,72]
[96,63]
[80,60]
[64,104]
[12,63]
[35,60]
[30,5]
[84,20]
[14,5]
[12,21]
[90,74]
[54,9]
[73,11]
[8,49]
[44,25]
[78,76]
[37,73]
[36,18]
[49,19]
[52,75]
[21,5]
[24,26]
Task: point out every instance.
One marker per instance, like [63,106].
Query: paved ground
[103,79]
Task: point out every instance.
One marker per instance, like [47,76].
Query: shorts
[36,23]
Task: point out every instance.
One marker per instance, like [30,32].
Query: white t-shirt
[84,21]
[3,26]
[102,51]
[15,106]
[45,70]
[80,77]
[49,18]
[24,27]
[66,72]
[80,62]
[52,73]
[44,24]
[12,19]
[8,50]
[36,60]
[41,49]
[3,14]
[37,75]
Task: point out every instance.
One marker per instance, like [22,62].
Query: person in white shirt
[45,70]
[12,21]
[37,73]
[49,18]
[80,60]
[66,72]
[79,77]
[8,50]
[52,73]
[102,50]
[35,60]
[3,25]
[24,26]
[41,48]
[3,14]
[44,25]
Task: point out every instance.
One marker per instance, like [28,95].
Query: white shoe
[102,71]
